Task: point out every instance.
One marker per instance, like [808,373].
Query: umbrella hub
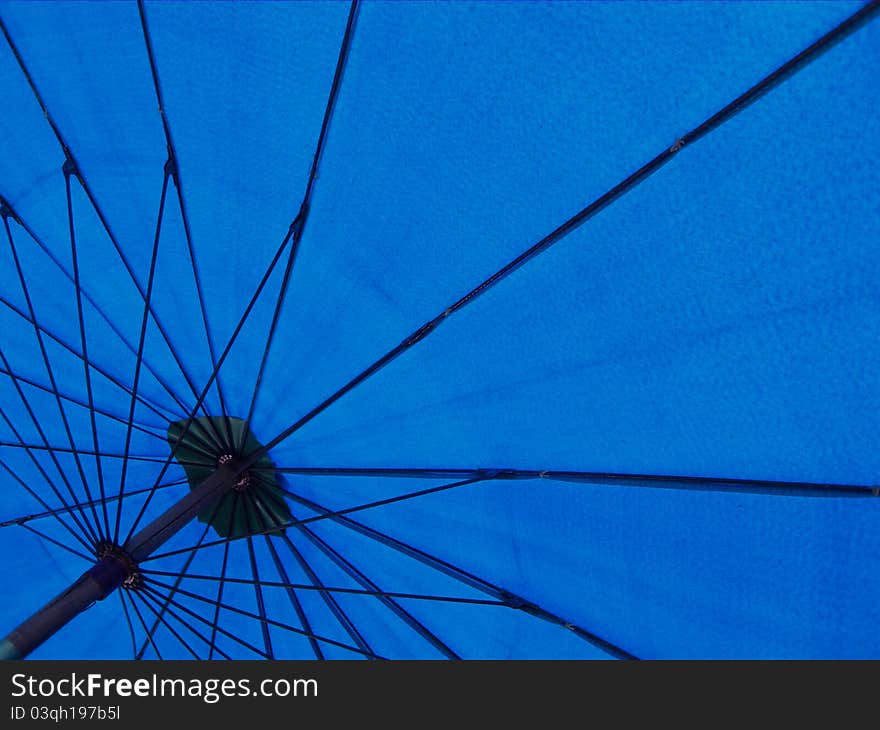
[244,479]
[109,551]
[256,502]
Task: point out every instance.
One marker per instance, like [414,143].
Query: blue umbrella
[440,330]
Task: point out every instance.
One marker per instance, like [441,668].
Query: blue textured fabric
[718,320]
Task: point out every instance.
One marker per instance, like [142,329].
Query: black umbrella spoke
[394,472]
[328,598]
[54,513]
[110,498]
[341,62]
[500,594]
[191,417]
[30,452]
[358,576]
[258,594]
[141,341]
[332,515]
[212,348]
[121,595]
[57,543]
[159,597]
[366,583]
[187,232]
[287,584]
[103,454]
[155,408]
[233,513]
[69,156]
[143,623]
[603,201]
[85,351]
[261,509]
[256,617]
[62,510]
[389,500]
[87,297]
[463,576]
[255,573]
[316,583]
[49,511]
[147,597]
[95,530]
[219,629]
[658,481]
[296,227]
[294,599]
[300,220]
[186,565]
[138,426]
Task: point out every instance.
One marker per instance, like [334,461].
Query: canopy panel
[266,199]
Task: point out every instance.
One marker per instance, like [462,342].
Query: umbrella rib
[95,530]
[220,629]
[332,515]
[58,543]
[285,583]
[190,418]
[329,600]
[69,157]
[365,582]
[187,563]
[172,153]
[660,481]
[290,233]
[61,510]
[258,591]
[121,595]
[105,454]
[389,500]
[232,514]
[294,599]
[83,344]
[341,62]
[463,576]
[4,205]
[142,427]
[142,622]
[155,408]
[147,597]
[358,576]
[256,617]
[156,596]
[305,206]
[52,455]
[55,513]
[104,316]
[796,63]
[141,341]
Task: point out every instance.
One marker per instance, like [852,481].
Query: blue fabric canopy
[656,433]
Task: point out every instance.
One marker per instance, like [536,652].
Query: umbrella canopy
[526,330]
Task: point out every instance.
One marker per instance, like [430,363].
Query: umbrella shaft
[95,584]
[115,566]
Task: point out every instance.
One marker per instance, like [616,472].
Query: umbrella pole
[115,566]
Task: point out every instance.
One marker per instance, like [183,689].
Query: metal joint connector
[69,167]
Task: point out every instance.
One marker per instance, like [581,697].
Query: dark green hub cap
[256,503]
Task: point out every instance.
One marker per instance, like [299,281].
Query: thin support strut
[115,566]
